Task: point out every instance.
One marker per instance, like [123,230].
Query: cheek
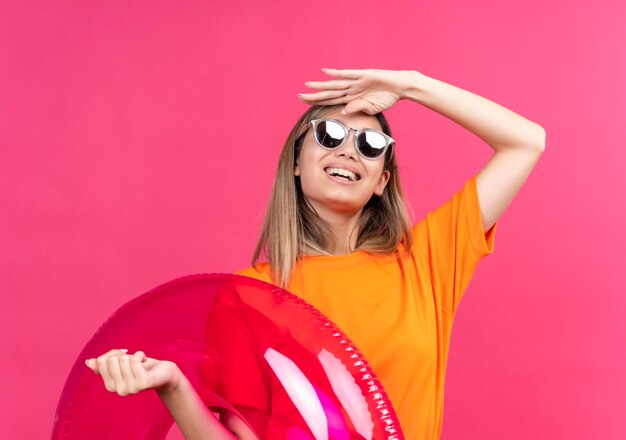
[305,174]
[308,161]
[375,170]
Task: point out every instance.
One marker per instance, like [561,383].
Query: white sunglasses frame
[346,131]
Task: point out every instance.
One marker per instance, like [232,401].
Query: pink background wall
[138,142]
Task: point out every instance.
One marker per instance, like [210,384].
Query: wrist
[415,86]
[177,381]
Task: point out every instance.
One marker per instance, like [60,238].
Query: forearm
[193,418]
[498,126]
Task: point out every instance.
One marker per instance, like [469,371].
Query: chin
[343,206]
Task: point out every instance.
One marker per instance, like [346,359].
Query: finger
[343,73]
[330,85]
[103,370]
[358,105]
[149,363]
[329,102]
[129,386]
[141,355]
[94,363]
[115,351]
[115,381]
[142,378]
[321,96]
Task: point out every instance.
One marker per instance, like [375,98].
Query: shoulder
[455,224]
[261,272]
[443,220]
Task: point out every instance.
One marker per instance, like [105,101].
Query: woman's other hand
[369,90]
[125,374]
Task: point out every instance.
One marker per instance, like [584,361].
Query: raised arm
[518,143]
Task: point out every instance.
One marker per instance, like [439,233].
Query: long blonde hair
[292,229]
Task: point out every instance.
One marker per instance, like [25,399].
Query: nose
[348,148]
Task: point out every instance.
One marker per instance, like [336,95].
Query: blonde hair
[292,228]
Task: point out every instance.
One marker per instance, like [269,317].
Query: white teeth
[349,174]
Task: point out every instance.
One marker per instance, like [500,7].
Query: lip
[345,167]
[340,180]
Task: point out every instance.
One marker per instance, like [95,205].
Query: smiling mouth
[340,172]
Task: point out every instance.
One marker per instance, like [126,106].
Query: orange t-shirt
[400,313]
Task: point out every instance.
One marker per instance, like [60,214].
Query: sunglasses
[331,134]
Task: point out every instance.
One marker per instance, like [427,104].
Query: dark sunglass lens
[371,144]
[329,134]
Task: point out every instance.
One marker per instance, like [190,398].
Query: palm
[371,90]
[374,101]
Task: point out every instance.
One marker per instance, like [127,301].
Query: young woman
[337,234]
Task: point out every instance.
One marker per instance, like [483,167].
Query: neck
[344,228]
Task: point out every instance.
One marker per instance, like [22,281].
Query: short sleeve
[260,272]
[453,242]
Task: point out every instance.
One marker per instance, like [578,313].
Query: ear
[296,169]
[382,182]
